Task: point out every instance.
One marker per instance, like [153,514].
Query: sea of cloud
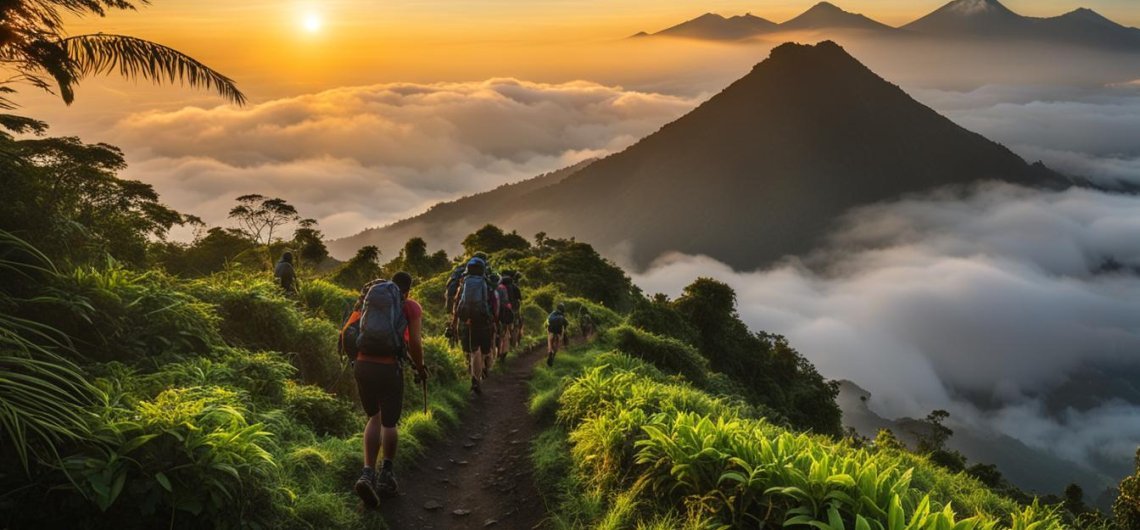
[363,156]
[979,301]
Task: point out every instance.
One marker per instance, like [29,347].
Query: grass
[630,446]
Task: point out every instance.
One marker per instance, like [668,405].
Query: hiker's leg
[372,441]
[391,407]
[550,343]
[391,437]
[476,358]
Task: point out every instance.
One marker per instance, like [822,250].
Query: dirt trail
[479,474]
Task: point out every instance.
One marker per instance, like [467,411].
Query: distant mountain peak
[826,15]
[977,7]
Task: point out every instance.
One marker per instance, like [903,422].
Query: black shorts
[381,388]
[475,337]
[506,316]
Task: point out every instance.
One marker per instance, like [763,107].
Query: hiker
[511,279]
[506,315]
[473,319]
[556,325]
[388,328]
[587,323]
[285,274]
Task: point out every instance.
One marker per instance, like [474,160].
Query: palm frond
[134,58]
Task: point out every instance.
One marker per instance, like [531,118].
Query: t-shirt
[285,275]
[413,313]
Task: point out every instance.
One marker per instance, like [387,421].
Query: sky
[286,47]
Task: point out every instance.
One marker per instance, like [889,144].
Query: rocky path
[479,475]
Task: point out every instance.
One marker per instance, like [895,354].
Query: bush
[670,355]
[322,412]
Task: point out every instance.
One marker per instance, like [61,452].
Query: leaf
[163,481]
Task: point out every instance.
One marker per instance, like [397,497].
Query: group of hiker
[383,334]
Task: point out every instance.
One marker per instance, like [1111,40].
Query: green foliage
[321,411]
[658,316]
[670,355]
[361,269]
[310,242]
[660,452]
[207,254]
[1126,509]
[774,374]
[415,260]
[491,239]
[41,393]
[66,196]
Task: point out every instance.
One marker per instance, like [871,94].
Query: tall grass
[645,449]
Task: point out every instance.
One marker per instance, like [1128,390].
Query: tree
[259,216]
[886,440]
[491,239]
[1075,499]
[362,268]
[33,43]
[932,442]
[66,196]
[1126,508]
[310,241]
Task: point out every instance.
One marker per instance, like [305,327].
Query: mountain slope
[825,15]
[761,170]
[448,222]
[970,17]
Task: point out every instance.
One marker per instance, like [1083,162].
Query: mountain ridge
[970,19]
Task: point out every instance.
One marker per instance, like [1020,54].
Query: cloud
[363,156]
[979,301]
[1085,131]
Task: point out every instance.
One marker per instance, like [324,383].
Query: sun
[311,22]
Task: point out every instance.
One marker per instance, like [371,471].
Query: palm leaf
[138,58]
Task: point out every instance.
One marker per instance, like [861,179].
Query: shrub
[321,411]
[670,355]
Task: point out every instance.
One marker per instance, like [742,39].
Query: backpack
[556,322]
[453,284]
[382,322]
[285,275]
[474,299]
[504,295]
[349,333]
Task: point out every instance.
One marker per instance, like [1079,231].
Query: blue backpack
[382,324]
[474,299]
[556,322]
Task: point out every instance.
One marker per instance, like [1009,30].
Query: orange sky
[266,44]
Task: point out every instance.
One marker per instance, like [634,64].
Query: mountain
[990,19]
[825,15]
[970,17]
[711,26]
[959,19]
[761,170]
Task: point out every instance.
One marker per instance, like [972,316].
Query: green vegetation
[633,447]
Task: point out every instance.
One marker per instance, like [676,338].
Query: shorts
[381,388]
[476,337]
[506,316]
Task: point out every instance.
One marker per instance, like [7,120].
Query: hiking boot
[550,359]
[475,387]
[386,484]
[365,488]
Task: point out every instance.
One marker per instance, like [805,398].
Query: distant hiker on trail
[474,320]
[285,274]
[511,280]
[387,328]
[586,322]
[506,315]
[556,327]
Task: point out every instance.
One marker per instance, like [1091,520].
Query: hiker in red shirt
[388,328]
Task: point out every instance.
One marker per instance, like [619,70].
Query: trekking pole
[424,385]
